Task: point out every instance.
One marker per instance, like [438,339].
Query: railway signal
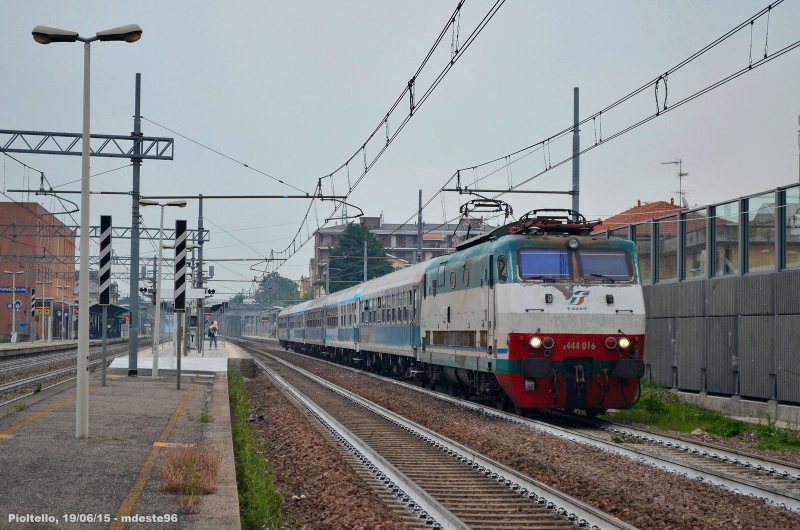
[180,286]
[105,284]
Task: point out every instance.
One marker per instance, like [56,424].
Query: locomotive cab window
[605,265]
[502,268]
[543,264]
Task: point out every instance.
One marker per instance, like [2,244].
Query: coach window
[453,279]
[465,277]
[502,268]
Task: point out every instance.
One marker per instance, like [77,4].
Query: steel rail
[50,375]
[559,502]
[742,486]
[32,361]
[430,508]
[771,466]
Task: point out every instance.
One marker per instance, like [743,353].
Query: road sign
[24,325]
[58,313]
[17,304]
[8,306]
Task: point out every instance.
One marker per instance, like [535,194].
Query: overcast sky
[294,88]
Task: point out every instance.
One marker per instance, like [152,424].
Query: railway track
[443,483]
[111,354]
[52,375]
[48,358]
[774,481]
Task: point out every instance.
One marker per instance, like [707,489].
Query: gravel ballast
[320,489]
[633,492]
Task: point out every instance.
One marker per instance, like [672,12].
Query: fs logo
[578,297]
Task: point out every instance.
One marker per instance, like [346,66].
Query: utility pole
[328,277]
[798,142]
[419,230]
[365,260]
[133,336]
[576,159]
[201,316]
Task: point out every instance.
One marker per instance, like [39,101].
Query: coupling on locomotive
[538,313]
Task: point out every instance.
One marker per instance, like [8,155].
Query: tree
[347,258]
[236,299]
[274,289]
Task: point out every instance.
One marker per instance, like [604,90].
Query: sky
[293,89]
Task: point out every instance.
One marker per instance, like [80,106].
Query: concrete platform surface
[208,361]
[116,473]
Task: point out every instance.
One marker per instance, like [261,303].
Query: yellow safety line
[27,421]
[134,496]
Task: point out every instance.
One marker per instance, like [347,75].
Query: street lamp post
[157,294]
[46,35]
[14,304]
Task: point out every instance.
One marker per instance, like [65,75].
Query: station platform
[209,361]
[115,474]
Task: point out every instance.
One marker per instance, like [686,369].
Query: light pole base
[133,373]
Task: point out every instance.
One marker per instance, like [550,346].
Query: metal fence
[722,294]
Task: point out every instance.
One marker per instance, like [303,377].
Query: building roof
[637,214]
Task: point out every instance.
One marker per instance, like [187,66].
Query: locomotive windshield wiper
[609,278]
[543,278]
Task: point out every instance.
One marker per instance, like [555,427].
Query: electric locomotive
[535,314]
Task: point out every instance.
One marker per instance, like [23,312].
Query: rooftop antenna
[681,174]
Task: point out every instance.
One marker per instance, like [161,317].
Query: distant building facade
[34,241]
[399,241]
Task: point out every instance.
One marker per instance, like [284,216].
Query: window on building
[695,258]
[726,239]
[644,245]
[668,248]
[792,236]
[761,233]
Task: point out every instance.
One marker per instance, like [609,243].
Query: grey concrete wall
[737,335]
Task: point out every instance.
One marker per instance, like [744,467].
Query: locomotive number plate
[580,346]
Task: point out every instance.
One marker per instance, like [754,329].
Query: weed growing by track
[191,472]
[662,409]
[259,498]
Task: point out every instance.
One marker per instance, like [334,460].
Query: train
[536,314]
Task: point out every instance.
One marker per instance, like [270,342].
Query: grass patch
[660,408]
[38,388]
[191,472]
[21,407]
[259,499]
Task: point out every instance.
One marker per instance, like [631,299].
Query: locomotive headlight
[536,342]
[572,243]
[624,343]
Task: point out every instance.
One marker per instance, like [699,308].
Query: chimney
[672,201]
[639,203]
